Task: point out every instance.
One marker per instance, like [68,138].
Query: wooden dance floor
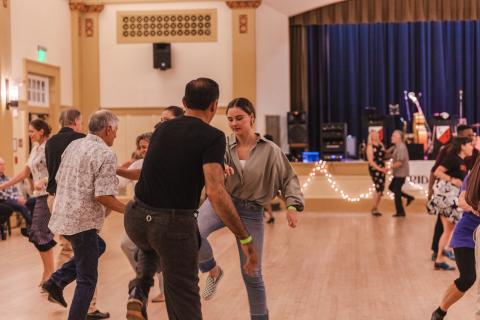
[333,266]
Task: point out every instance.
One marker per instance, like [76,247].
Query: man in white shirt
[86,187]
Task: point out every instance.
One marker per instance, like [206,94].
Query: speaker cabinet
[162,56]
[297,128]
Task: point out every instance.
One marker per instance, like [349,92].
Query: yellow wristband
[293,208]
[246,241]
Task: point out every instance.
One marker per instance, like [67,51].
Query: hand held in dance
[229,171]
[457,182]
[251,258]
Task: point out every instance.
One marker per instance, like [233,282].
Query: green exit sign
[41,54]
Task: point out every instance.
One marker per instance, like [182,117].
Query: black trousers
[437,233]
[169,237]
[396,188]
[465,259]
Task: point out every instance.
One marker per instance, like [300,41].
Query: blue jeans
[252,216]
[87,248]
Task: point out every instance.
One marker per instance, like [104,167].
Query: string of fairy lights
[320,167]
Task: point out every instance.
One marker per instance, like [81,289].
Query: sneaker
[211,286]
[443,266]
[55,293]
[271,220]
[449,254]
[136,306]
[434,256]
[97,314]
[376,213]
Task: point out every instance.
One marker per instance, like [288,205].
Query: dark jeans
[22,209]
[396,188]
[465,259]
[169,237]
[437,233]
[87,248]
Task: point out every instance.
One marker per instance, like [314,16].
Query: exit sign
[41,54]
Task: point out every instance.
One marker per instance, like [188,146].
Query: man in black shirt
[184,155]
[462,131]
[71,130]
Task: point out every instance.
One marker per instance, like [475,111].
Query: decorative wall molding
[243,23]
[86,8]
[167,26]
[244,4]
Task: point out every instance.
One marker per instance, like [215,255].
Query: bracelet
[292,208]
[246,241]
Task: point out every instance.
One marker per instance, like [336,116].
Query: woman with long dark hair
[39,234]
[446,191]
[256,170]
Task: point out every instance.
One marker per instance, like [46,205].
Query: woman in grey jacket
[256,170]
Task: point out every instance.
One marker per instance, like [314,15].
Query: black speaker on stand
[297,133]
[162,56]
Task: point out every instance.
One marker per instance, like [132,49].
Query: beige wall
[47,25]
[127,76]
[133,123]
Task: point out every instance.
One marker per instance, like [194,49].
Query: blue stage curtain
[351,67]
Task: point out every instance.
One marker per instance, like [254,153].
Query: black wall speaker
[162,56]
[297,127]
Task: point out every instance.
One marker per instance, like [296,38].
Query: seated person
[12,197]
[5,213]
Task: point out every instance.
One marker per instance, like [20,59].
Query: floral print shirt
[87,170]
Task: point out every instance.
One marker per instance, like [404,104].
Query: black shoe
[97,314]
[399,215]
[55,293]
[376,213]
[271,220]
[409,200]
[438,315]
[137,305]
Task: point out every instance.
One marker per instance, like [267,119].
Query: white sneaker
[211,286]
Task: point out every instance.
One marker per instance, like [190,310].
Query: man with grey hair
[86,187]
[71,124]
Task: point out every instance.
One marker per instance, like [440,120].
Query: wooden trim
[145,111]
[106,2]
[244,4]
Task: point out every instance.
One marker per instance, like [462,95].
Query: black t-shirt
[54,149]
[456,166]
[172,172]
[469,161]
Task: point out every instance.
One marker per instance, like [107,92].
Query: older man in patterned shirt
[86,187]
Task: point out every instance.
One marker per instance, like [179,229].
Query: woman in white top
[39,234]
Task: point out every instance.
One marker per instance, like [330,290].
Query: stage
[353,178]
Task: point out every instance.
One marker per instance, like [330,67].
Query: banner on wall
[419,176]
